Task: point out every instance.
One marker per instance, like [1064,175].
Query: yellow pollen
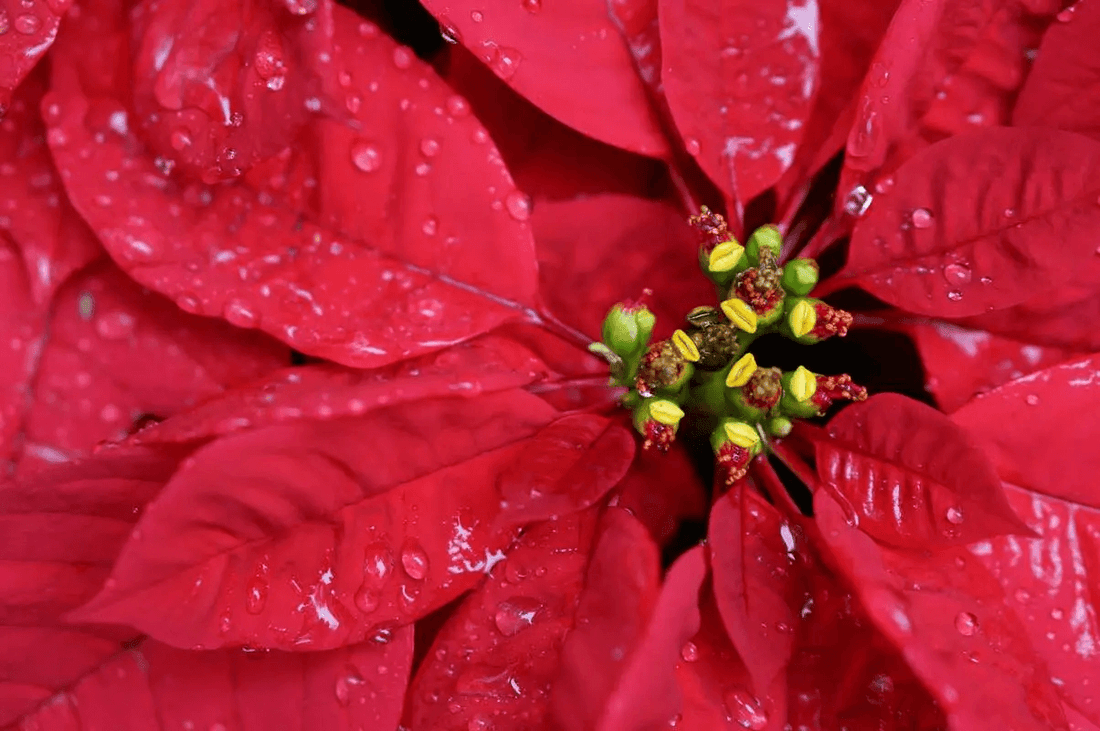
[741,434]
[665,412]
[740,314]
[741,371]
[803,384]
[725,256]
[802,319]
[685,346]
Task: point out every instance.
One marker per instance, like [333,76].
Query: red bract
[304,426]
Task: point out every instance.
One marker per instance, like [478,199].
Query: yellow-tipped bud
[740,314]
[685,346]
[741,371]
[665,412]
[803,384]
[741,434]
[725,256]
[802,318]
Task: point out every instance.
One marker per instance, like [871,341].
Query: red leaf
[716,685]
[594,252]
[755,560]
[948,617]
[662,490]
[960,364]
[221,86]
[486,365]
[911,477]
[55,242]
[942,69]
[566,58]
[157,686]
[1050,323]
[1042,419]
[1054,589]
[638,24]
[499,652]
[321,542]
[115,353]
[546,158]
[26,33]
[740,79]
[850,35]
[567,466]
[56,548]
[972,222]
[352,279]
[1062,89]
[617,665]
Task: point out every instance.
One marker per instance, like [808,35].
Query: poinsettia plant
[558,364]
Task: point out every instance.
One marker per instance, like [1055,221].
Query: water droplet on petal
[966,623]
[954,295]
[518,205]
[239,314]
[692,146]
[1066,15]
[179,139]
[505,62]
[255,595]
[858,201]
[27,24]
[367,599]
[429,147]
[921,218]
[532,6]
[377,563]
[477,16]
[479,722]
[115,325]
[366,156]
[954,515]
[516,614]
[689,652]
[402,57]
[343,693]
[457,106]
[745,710]
[957,274]
[414,561]
[449,31]
[1032,399]
[431,226]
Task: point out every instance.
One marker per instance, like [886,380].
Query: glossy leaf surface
[947,615]
[378,287]
[565,57]
[27,30]
[982,221]
[911,477]
[740,80]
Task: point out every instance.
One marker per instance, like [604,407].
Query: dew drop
[858,201]
[954,295]
[352,102]
[518,205]
[884,185]
[1066,15]
[179,139]
[457,106]
[115,325]
[402,57]
[239,314]
[377,563]
[1032,399]
[689,652]
[27,24]
[477,16]
[422,169]
[449,31]
[1057,614]
[367,599]
[692,146]
[414,561]
[921,218]
[532,6]
[479,722]
[516,614]
[1022,596]
[506,62]
[954,515]
[343,693]
[746,710]
[966,624]
[429,147]
[430,226]
[957,274]
[255,595]
[366,156]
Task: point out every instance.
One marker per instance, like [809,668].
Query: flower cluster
[304,422]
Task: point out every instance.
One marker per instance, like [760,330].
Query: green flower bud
[778,426]
[627,328]
[800,276]
[766,238]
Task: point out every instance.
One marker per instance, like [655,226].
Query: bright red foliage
[300,428]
